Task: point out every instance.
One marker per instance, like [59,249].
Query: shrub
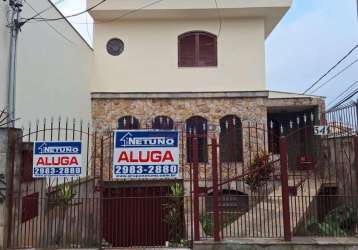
[338,222]
[260,171]
[174,216]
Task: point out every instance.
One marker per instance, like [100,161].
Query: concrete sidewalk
[297,243]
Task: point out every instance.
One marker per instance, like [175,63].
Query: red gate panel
[135,216]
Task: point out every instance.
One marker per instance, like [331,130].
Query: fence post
[101,193]
[10,160]
[285,192]
[214,147]
[196,189]
[356,158]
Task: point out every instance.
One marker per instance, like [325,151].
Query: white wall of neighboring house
[149,62]
[53,68]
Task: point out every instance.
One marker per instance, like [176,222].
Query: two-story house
[196,66]
[200,64]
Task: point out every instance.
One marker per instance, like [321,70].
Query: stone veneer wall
[108,108]
[107,111]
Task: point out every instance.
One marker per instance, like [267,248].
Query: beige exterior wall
[53,69]
[149,62]
[270,10]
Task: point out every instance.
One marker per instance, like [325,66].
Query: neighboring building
[53,67]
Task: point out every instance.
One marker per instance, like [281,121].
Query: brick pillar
[10,155]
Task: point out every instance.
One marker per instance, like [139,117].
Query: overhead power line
[42,12]
[219,17]
[133,11]
[50,25]
[332,68]
[336,75]
[342,93]
[65,17]
[35,20]
[345,99]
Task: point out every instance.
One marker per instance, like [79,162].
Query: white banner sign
[147,154]
[60,159]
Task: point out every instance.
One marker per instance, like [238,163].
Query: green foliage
[64,196]
[174,216]
[337,222]
[63,199]
[261,171]
[207,221]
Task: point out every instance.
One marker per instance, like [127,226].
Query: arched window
[197,49]
[128,122]
[231,139]
[163,122]
[196,127]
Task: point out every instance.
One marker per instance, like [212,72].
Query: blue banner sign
[147,154]
[60,159]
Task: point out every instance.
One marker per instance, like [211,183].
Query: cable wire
[333,77]
[53,5]
[66,17]
[108,21]
[332,68]
[342,93]
[51,26]
[345,99]
[219,17]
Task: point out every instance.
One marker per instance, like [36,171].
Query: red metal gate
[92,210]
[134,214]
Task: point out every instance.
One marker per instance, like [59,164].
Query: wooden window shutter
[207,50]
[187,50]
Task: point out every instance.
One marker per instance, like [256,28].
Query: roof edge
[291,95]
[69,23]
[178,95]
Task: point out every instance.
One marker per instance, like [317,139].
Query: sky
[310,39]
[82,23]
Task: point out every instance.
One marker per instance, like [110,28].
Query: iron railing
[267,185]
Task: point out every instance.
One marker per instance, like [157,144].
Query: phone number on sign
[146,170]
[68,171]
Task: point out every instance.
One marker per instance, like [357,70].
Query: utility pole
[15,26]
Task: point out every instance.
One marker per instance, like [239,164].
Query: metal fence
[242,181]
